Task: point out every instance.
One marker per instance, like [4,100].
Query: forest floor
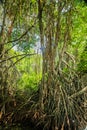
[20,112]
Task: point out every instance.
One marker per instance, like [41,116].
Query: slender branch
[12,57]
[29,28]
[71,56]
[19,60]
[78,93]
[17,39]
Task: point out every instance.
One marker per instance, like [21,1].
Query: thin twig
[12,57]
[78,93]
